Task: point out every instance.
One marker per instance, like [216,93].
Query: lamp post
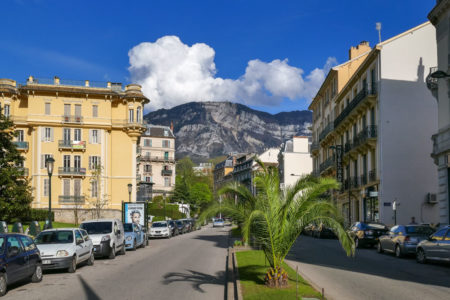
[130,188]
[164,198]
[394,208]
[50,162]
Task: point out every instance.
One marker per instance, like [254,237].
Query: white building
[440,17]
[294,160]
[270,156]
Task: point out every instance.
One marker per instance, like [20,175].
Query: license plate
[46,262]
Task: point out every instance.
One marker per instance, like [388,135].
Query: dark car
[187,225]
[323,232]
[436,247]
[181,227]
[403,239]
[173,227]
[367,234]
[19,259]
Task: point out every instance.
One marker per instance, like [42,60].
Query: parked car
[64,248]
[160,229]
[218,223]
[181,227]
[436,247]
[367,234]
[107,236]
[323,232]
[173,227]
[134,236]
[187,225]
[19,259]
[403,239]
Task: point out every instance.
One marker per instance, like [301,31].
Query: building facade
[440,18]
[381,123]
[294,160]
[156,159]
[90,129]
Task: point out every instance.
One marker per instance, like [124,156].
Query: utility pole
[220,206]
[394,207]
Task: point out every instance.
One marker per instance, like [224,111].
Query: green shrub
[32,215]
[157,209]
[238,243]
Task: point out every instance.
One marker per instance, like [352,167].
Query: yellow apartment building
[85,126]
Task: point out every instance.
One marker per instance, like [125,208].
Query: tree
[15,192]
[97,200]
[274,218]
[200,194]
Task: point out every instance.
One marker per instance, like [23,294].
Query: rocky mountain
[208,129]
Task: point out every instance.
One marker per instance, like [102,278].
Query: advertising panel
[134,213]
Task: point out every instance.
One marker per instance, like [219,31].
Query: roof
[158,131]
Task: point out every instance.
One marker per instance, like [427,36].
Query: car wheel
[73,265]
[90,261]
[357,245]
[420,257]
[122,250]
[134,245]
[398,251]
[112,254]
[379,248]
[3,284]
[37,275]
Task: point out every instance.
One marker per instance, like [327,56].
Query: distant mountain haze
[208,129]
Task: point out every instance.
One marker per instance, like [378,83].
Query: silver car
[436,247]
[403,239]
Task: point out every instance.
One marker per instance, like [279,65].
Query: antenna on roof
[378,27]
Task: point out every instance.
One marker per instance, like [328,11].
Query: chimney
[171,126]
[358,50]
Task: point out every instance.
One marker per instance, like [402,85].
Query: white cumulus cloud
[172,73]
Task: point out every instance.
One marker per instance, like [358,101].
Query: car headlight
[106,238]
[62,253]
[129,238]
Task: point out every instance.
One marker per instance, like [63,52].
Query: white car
[107,235]
[64,248]
[160,229]
[218,223]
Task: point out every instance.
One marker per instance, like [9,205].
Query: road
[189,266]
[369,275]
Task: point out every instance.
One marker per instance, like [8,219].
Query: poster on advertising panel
[134,213]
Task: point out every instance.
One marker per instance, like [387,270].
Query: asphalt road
[189,266]
[369,275]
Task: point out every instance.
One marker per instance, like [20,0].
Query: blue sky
[92,40]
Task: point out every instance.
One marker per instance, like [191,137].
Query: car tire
[398,251]
[112,254]
[122,250]
[90,261]
[379,248]
[420,257]
[37,275]
[3,284]
[134,245]
[73,265]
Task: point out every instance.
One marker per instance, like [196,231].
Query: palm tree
[274,218]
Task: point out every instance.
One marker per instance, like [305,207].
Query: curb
[312,283]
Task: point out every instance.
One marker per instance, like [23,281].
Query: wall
[66,215]
[406,122]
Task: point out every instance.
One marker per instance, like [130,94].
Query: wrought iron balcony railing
[329,162]
[72,145]
[373,175]
[157,158]
[354,182]
[166,172]
[329,128]
[314,146]
[72,171]
[63,199]
[72,119]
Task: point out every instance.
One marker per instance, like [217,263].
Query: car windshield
[97,227]
[54,237]
[218,220]
[422,230]
[159,225]
[179,223]
[128,227]
[2,241]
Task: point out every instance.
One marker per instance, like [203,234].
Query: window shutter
[90,162]
[51,134]
[42,134]
[99,136]
[42,161]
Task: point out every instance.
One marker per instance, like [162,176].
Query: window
[166,144]
[66,161]
[66,187]
[45,187]
[94,162]
[27,243]
[166,132]
[131,115]
[439,235]
[66,134]
[20,137]
[77,162]
[47,134]
[167,181]
[47,109]
[6,110]
[166,155]
[94,188]
[14,242]
[94,111]
[77,187]
[94,136]
[147,142]
[77,110]
[44,159]
[138,115]
[77,134]
[148,168]
[148,179]
[66,110]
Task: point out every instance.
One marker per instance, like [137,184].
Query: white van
[107,236]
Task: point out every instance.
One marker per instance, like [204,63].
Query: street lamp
[50,162]
[439,74]
[164,198]
[130,187]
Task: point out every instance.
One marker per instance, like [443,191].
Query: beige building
[440,18]
[156,159]
[375,135]
[84,126]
